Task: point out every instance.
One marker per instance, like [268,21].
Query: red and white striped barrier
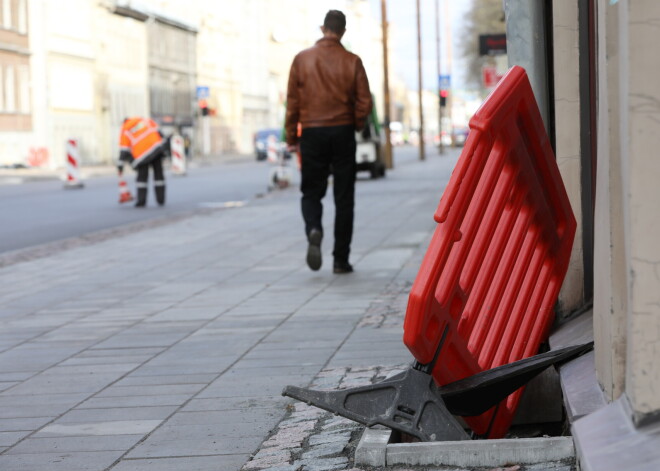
[72,161]
[124,193]
[271,149]
[178,152]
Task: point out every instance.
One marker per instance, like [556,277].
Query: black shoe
[342,267]
[140,205]
[314,249]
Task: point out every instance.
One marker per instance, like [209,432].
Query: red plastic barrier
[499,254]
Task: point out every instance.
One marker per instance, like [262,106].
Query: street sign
[492,44]
[202,92]
[444,81]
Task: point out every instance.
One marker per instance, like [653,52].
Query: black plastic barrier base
[411,403]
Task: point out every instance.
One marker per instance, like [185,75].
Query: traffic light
[443,97]
[203,107]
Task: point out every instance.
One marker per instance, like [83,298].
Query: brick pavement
[167,348]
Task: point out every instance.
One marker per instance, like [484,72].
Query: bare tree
[484,17]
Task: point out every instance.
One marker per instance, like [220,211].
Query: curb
[375,449]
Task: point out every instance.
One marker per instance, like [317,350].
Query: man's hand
[291,148]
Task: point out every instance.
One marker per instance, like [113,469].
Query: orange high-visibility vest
[141,138]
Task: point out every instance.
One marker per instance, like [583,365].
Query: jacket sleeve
[292,106]
[363,102]
[124,149]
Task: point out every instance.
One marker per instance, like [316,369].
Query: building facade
[63,56]
[172,59]
[75,77]
[15,101]
[603,105]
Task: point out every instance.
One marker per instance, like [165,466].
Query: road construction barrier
[271,149]
[178,153]
[125,195]
[482,302]
[498,257]
[72,165]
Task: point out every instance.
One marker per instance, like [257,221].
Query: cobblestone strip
[310,439]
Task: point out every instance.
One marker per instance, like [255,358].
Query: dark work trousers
[324,149]
[159,181]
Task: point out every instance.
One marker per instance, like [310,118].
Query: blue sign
[444,82]
[202,92]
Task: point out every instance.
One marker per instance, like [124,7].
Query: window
[2,89]
[22,16]
[24,89]
[10,90]
[6,14]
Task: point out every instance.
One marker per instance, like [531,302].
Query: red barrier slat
[499,254]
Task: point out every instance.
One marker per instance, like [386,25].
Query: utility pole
[437,40]
[419,66]
[389,162]
[448,62]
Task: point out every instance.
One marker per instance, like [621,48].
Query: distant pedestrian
[328,94]
[142,144]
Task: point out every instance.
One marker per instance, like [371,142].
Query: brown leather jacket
[327,87]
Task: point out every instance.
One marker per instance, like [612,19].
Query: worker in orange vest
[142,144]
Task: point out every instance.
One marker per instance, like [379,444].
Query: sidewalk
[167,349]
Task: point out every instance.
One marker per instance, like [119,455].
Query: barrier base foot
[408,402]
[412,403]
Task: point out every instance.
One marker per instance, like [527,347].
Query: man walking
[328,94]
[142,144]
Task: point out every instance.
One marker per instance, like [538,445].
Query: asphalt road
[39,212]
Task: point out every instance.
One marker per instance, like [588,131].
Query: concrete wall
[640,106]
[627,254]
[610,280]
[567,132]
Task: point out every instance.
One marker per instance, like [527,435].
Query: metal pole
[448,62]
[389,162]
[419,92]
[437,39]
[526,46]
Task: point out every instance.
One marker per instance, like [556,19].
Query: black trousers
[159,180]
[325,149]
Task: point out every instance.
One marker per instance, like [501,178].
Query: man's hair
[335,21]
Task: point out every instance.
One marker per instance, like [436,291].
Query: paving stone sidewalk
[310,439]
[168,348]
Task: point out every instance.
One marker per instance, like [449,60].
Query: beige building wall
[610,278]
[567,132]
[63,79]
[15,102]
[640,168]
[627,221]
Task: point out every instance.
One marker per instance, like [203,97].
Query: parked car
[261,143]
[396,133]
[368,153]
[459,136]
